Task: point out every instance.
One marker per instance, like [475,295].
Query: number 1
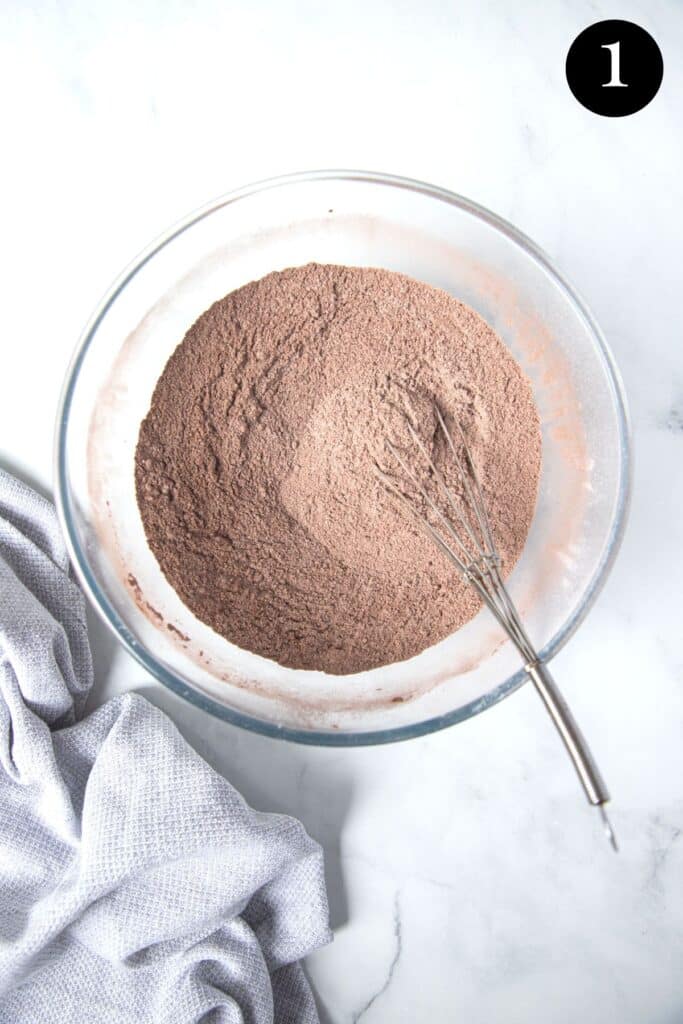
[615,79]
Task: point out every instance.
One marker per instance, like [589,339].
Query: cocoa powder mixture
[255,470]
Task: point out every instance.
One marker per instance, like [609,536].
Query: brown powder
[254,466]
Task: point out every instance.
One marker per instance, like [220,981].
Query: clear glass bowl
[359,219]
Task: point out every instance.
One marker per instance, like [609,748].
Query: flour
[255,464]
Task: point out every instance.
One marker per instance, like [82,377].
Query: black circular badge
[614,68]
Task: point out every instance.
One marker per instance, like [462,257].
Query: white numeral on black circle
[615,67]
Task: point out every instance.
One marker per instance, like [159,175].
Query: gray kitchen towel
[135,883]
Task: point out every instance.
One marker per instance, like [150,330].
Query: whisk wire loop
[473,551]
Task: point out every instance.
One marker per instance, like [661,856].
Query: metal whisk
[472,549]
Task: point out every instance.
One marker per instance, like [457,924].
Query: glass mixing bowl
[359,219]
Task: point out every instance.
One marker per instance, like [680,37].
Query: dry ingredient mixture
[255,464]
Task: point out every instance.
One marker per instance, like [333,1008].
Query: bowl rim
[338,738]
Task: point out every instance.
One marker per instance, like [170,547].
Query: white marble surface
[468,881]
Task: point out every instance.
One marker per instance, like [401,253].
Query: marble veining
[392,966]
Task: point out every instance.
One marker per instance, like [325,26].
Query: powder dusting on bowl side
[98,480]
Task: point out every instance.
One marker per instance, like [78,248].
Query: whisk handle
[572,737]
